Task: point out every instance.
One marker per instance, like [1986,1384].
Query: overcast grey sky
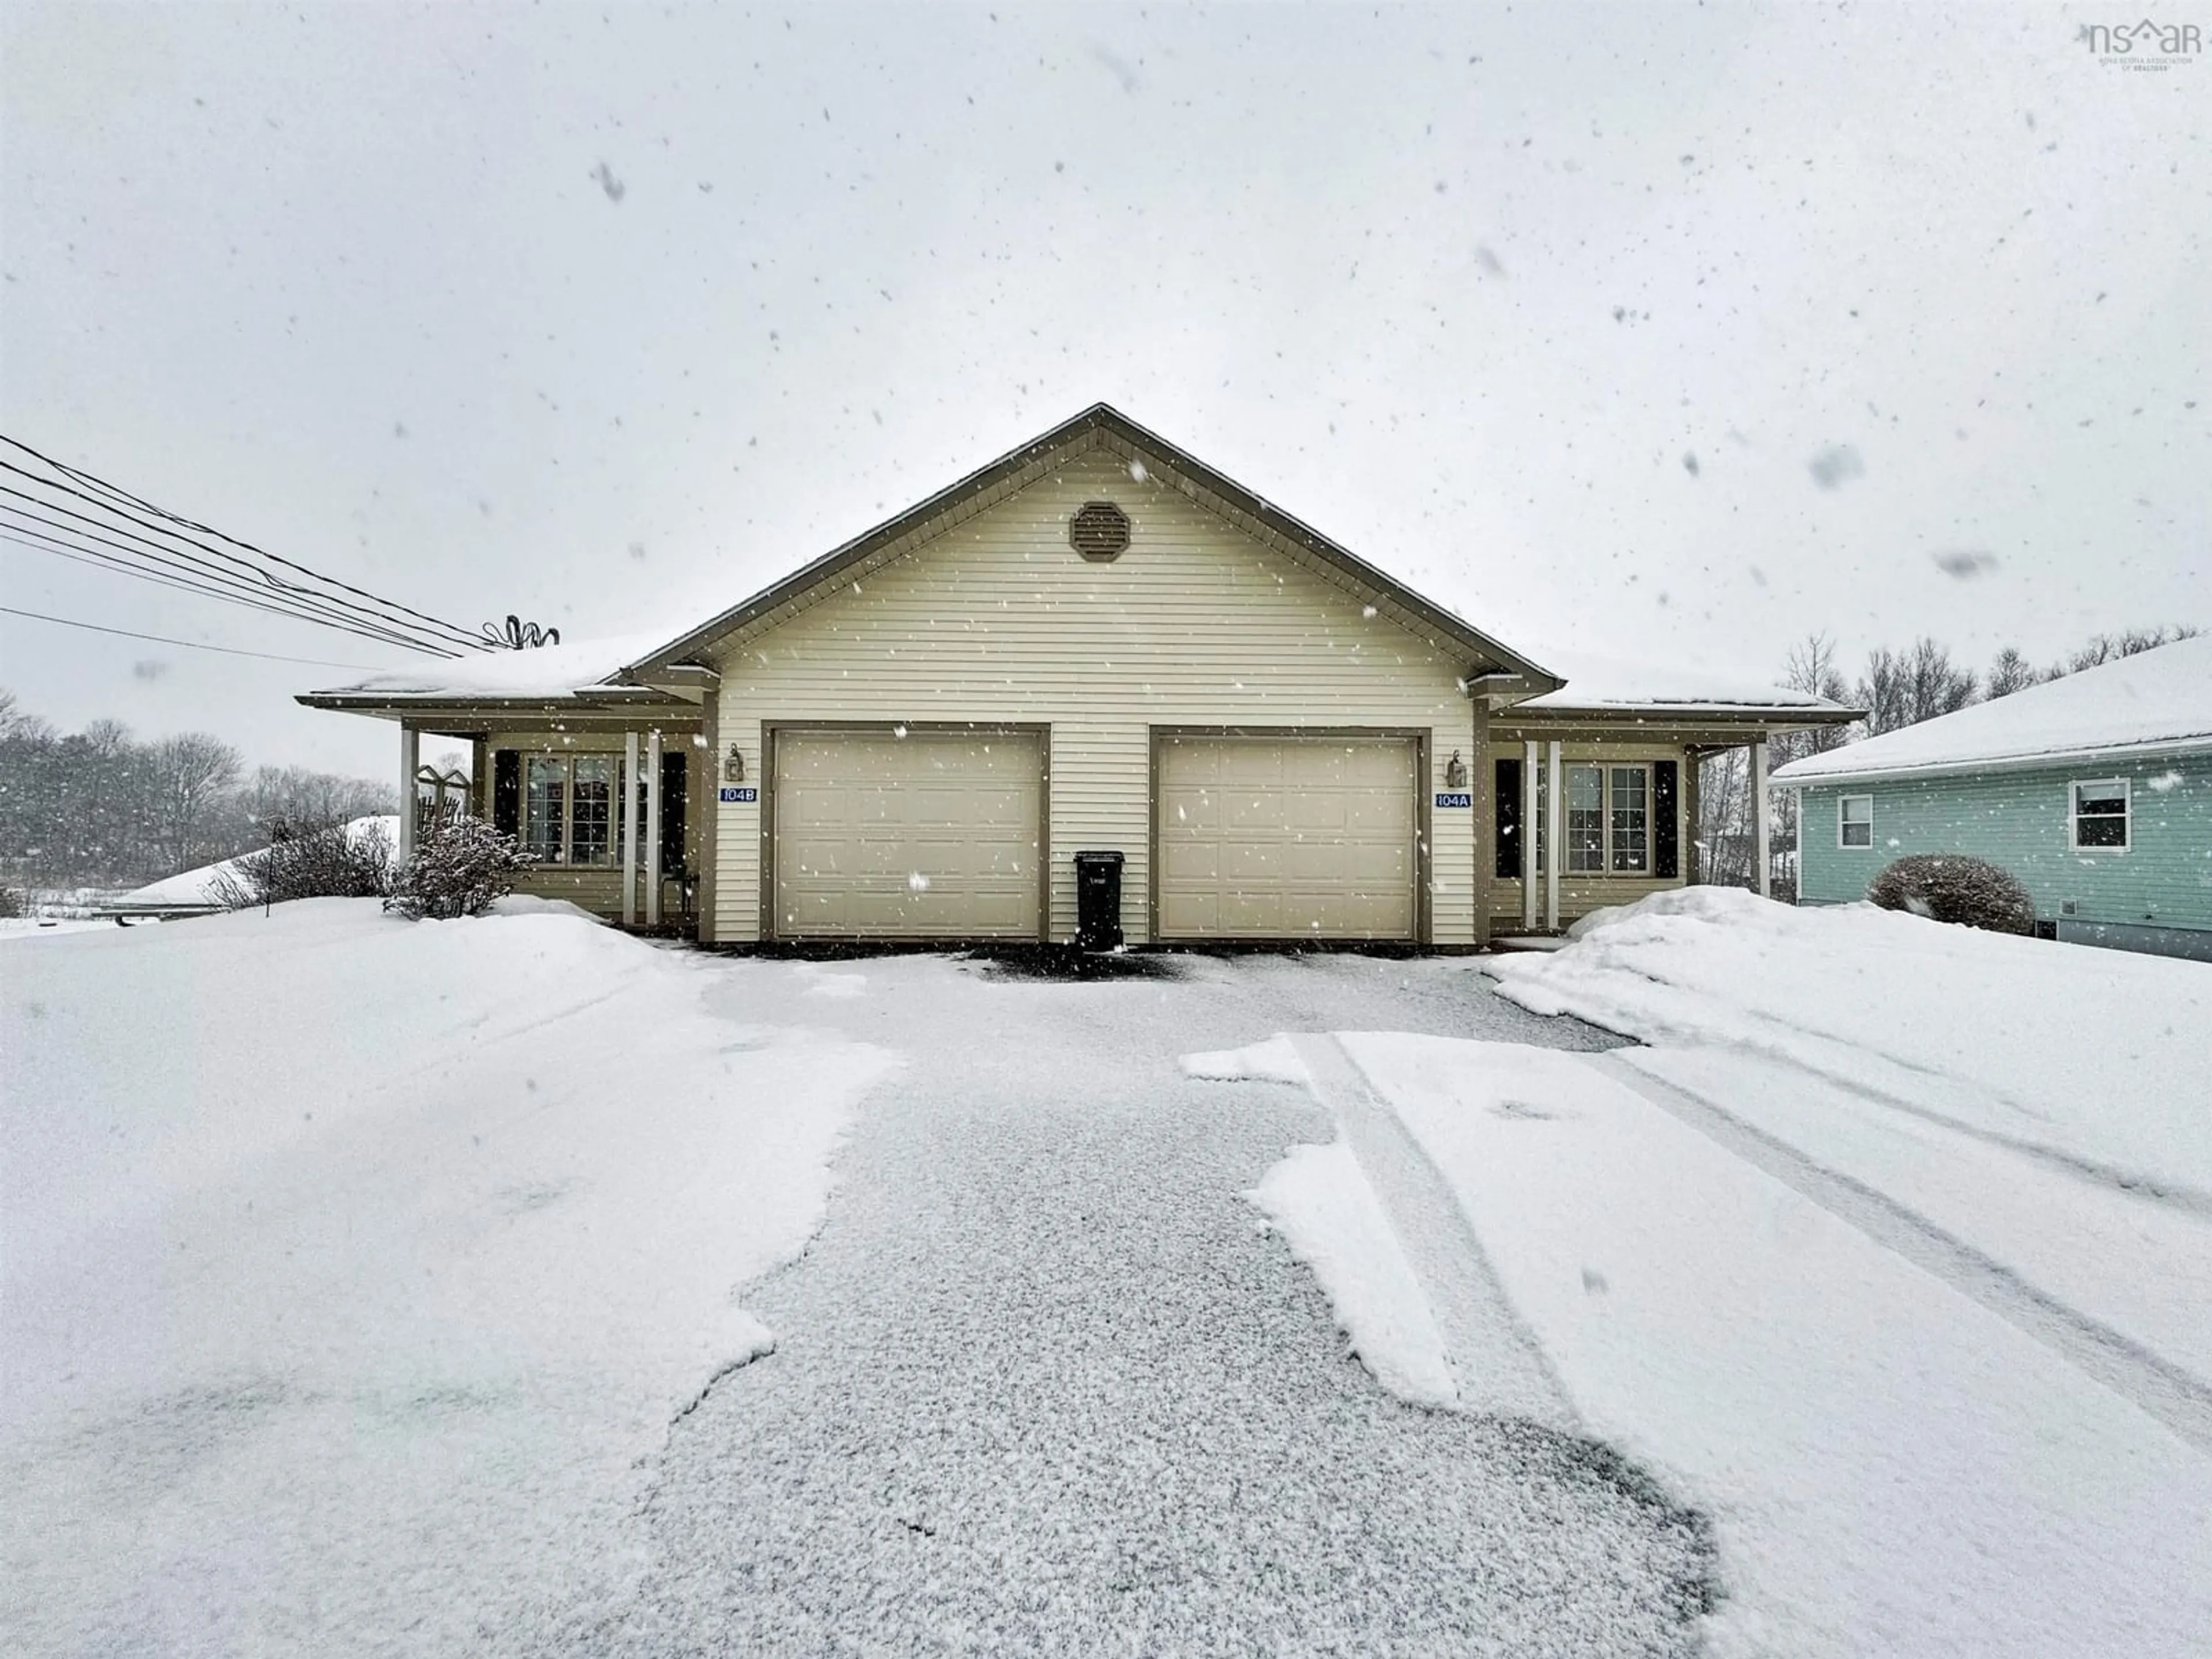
[610,315]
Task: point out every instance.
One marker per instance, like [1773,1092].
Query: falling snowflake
[917,883]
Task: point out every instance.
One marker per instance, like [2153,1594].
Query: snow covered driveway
[1043,1382]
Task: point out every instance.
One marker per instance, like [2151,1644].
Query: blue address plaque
[739,792]
[1454,797]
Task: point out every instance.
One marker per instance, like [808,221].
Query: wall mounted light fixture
[733,766]
[1455,771]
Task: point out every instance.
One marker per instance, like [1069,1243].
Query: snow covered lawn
[1892,1252]
[353,1268]
[2103,1058]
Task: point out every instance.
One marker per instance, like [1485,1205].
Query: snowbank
[204,885]
[355,1268]
[1891,1469]
[2096,1057]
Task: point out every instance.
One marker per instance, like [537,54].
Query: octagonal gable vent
[1099,531]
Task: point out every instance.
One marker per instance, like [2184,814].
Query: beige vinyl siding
[996,620]
[1582,892]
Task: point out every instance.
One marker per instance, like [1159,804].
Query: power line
[192,644]
[215,565]
[115,492]
[120,503]
[282,602]
[99,560]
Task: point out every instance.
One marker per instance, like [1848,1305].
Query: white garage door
[1287,837]
[929,835]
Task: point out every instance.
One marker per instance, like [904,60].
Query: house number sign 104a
[1454,797]
[739,792]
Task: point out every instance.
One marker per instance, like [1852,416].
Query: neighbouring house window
[2100,814]
[568,814]
[1628,817]
[1855,821]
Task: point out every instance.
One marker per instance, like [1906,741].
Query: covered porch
[610,788]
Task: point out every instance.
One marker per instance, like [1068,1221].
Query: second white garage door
[1287,837]
[931,835]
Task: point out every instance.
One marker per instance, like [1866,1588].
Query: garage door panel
[930,836]
[1312,838]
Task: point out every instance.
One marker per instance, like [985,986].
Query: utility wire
[115,492]
[99,560]
[237,590]
[211,561]
[163,639]
[121,503]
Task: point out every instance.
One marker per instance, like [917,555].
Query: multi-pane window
[1608,820]
[1585,817]
[568,803]
[1628,816]
[2100,814]
[1855,821]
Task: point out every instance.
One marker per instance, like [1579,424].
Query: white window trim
[1605,872]
[1843,845]
[2074,788]
[569,757]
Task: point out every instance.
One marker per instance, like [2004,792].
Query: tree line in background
[100,808]
[1897,689]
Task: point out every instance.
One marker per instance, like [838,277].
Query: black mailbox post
[1098,901]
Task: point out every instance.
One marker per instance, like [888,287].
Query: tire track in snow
[1495,1359]
[2158,1387]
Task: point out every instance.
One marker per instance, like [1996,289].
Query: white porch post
[1762,820]
[629,829]
[411,758]
[653,829]
[1530,834]
[1555,835]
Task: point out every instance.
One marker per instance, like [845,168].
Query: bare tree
[190,771]
[2128,643]
[2010,671]
[1903,688]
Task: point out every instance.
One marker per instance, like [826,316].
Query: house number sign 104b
[1454,797]
[735,792]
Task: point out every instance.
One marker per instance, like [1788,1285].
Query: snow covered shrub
[333,860]
[11,903]
[460,867]
[1953,887]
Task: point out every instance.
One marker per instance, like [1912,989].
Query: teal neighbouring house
[2095,790]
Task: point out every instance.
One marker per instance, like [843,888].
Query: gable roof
[1100,423]
[2154,703]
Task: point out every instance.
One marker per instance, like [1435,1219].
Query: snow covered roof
[544,672]
[2153,702]
[1614,684]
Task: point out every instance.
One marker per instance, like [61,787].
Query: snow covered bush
[332,860]
[1952,887]
[11,903]
[461,866]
